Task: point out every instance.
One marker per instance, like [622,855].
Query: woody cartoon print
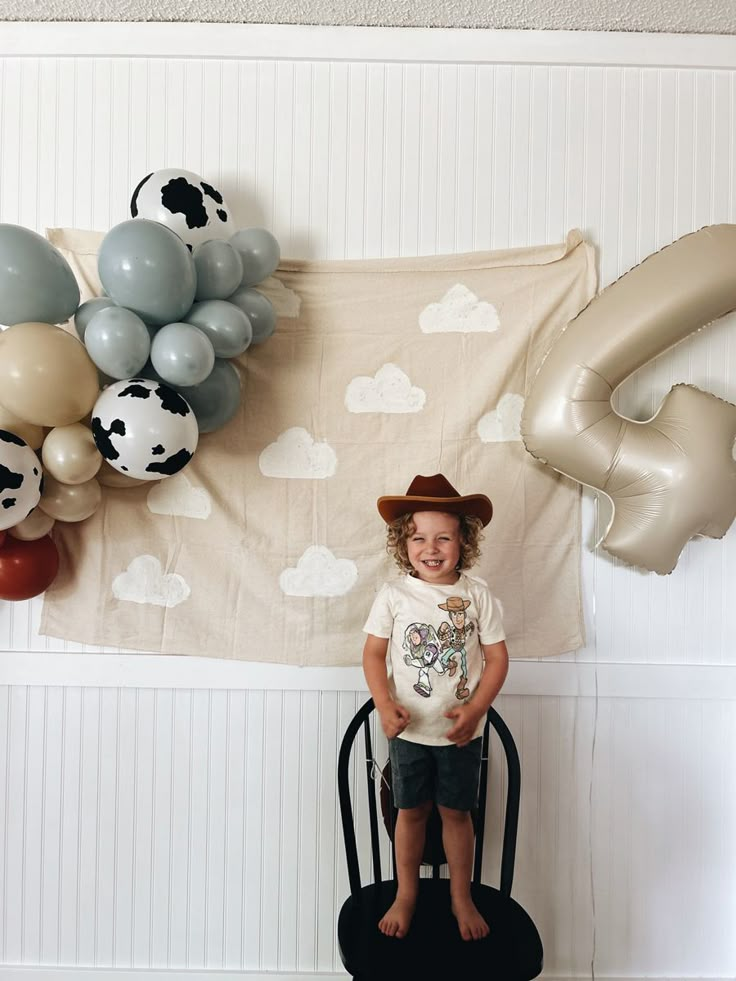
[438,650]
[453,636]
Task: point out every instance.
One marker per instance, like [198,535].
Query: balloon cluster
[179,303]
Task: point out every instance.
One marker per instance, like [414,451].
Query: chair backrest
[511,820]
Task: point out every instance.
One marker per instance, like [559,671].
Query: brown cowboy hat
[454,604]
[434,494]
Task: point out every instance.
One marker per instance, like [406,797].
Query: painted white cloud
[144,582]
[503,424]
[286,302]
[297,454]
[319,573]
[390,390]
[459,311]
[177,496]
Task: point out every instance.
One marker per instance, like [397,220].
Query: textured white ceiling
[676,16]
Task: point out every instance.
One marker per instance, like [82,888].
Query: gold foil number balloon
[674,476]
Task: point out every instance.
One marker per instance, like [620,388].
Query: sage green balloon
[182,354]
[258,309]
[87,310]
[259,251]
[215,401]
[219,269]
[117,341]
[146,267]
[227,327]
[36,282]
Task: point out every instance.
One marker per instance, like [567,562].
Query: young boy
[436,619]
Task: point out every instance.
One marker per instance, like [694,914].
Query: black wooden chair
[433,946]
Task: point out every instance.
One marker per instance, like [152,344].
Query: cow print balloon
[188,205]
[21,479]
[144,429]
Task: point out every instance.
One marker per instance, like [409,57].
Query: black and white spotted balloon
[21,479]
[186,203]
[144,429]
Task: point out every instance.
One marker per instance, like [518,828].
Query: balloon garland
[179,304]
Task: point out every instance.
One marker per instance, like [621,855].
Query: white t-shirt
[435,636]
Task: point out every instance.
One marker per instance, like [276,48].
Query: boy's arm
[394,717]
[494,674]
[467,716]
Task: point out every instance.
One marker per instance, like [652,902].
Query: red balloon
[27,568]
[2,537]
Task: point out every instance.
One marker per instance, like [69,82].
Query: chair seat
[511,952]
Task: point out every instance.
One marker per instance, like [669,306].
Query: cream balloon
[70,502]
[110,477]
[69,454]
[36,525]
[46,376]
[672,477]
[33,435]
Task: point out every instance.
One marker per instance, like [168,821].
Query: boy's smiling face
[434,546]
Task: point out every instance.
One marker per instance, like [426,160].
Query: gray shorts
[447,775]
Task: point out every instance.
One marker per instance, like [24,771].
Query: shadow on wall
[663,855]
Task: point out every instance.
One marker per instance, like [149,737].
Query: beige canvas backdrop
[268,546]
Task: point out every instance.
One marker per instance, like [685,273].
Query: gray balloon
[259,251]
[87,310]
[215,401]
[117,341]
[146,267]
[36,282]
[182,354]
[227,327]
[219,269]
[258,309]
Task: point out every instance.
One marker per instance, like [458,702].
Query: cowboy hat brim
[475,505]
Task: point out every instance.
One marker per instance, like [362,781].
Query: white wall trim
[20,973]
[557,679]
[390,44]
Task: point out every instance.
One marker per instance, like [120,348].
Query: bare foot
[397,919]
[471,924]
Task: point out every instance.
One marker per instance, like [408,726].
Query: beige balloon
[110,477]
[35,525]
[46,376]
[10,422]
[674,476]
[70,502]
[69,454]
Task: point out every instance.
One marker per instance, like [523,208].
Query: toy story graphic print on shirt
[438,650]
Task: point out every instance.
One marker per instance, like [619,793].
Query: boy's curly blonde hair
[399,531]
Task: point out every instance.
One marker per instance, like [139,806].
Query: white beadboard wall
[179,815]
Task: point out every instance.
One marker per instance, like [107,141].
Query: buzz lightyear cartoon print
[423,647]
[452,636]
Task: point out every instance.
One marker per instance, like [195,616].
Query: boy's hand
[394,718]
[466,718]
